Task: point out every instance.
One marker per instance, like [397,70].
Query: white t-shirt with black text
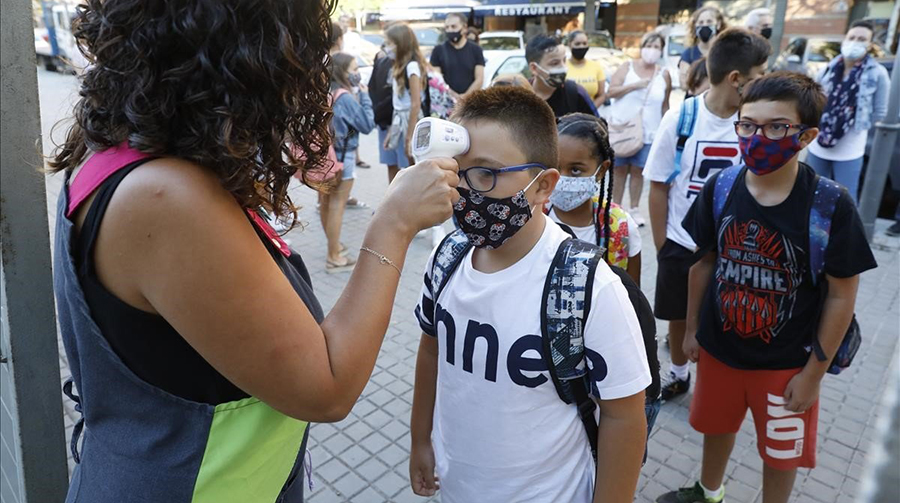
[712,147]
[501,432]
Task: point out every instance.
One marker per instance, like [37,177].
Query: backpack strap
[97,170]
[687,119]
[722,190]
[447,258]
[823,205]
[565,306]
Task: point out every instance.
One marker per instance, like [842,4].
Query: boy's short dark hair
[527,117]
[805,93]
[735,49]
[538,46]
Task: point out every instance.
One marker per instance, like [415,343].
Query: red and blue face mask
[763,156]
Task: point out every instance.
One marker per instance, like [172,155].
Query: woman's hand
[421,196]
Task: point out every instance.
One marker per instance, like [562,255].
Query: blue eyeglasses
[480,179]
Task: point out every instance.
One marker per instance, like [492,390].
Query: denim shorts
[396,156]
[637,160]
[349,172]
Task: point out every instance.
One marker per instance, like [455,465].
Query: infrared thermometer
[439,138]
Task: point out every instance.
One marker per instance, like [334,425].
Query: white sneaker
[636,215]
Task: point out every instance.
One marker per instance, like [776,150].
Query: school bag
[819,214]
[439,102]
[687,119]
[565,306]
[319,179]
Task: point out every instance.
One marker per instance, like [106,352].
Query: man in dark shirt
[460,61]
[547,62]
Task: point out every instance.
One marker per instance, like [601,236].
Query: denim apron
[142,444]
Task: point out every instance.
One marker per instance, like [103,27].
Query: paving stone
[349,485]
[391,483]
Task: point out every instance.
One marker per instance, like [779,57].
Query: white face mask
[650,55]
[852,49]
[573,191]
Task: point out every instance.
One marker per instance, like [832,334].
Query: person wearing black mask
[547,63]
[759,21]
[703,27]
[460,61]
[587,73]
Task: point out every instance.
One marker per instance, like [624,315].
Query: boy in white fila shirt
[488,424]
[693,143]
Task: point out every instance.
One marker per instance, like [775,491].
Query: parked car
[55,45]
[505,63]
[808,55]
[502,40]
[891,194]
[373,38]
[675,45]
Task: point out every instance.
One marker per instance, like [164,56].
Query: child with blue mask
[582,199]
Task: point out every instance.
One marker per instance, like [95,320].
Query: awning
[520,8]
[423,10]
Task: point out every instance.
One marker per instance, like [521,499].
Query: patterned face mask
[573,191]
[489,222]
[763,156]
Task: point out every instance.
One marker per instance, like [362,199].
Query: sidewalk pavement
[364,458]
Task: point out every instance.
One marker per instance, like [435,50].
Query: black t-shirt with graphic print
[761,308]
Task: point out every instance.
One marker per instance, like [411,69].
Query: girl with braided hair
[582,200]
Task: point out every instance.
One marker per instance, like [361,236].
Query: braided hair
[595,130]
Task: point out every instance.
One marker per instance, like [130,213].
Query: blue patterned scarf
[840,111]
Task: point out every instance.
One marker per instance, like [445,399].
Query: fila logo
[781,427]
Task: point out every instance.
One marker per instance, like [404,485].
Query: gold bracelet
[382,258]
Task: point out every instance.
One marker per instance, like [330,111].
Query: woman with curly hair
[198,350]
[704,25]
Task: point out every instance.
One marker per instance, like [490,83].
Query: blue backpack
[820,213]
[565,306]
[687,119]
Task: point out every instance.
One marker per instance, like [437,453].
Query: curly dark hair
[238,87]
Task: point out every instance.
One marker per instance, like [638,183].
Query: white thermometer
[439,138]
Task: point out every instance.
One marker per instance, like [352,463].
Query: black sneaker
[688,495]
[893,230]
[674,386]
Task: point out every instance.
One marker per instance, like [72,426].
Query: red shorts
[722,394]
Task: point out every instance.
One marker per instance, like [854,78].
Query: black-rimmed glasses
[772,131]
[480,179]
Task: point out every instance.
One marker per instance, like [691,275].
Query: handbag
[627,137]
[322,179]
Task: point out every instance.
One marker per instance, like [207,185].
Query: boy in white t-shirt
[735,58]
[487,422]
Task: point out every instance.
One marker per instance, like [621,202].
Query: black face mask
[704,33]
[580,52]
[766,33]
[454,36]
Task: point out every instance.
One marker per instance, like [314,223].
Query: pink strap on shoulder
[97,169]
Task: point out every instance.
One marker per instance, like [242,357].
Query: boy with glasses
[772,297]
[487,422]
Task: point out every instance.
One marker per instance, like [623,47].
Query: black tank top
[147,344]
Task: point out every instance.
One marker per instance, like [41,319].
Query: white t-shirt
[402,100]
[648,100]
[589,232]
[851,146]
[712,147]
[501,432]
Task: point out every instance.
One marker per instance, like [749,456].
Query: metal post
[32,440]
[777,30]
[590,15]
[886,133]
